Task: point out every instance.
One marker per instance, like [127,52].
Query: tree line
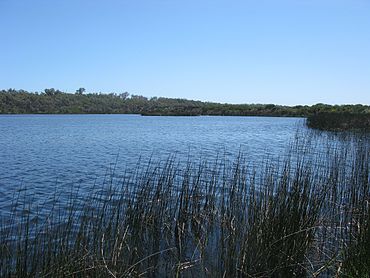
[53,101]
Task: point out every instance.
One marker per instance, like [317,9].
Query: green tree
[80,91]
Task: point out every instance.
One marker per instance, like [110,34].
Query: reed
[339,121]
[305,216]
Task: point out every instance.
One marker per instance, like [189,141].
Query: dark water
[40,152]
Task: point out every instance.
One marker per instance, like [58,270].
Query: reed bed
[339,121]
[304,216]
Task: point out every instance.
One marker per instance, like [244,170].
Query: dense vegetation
[306,217]
[339,121]
[53,101]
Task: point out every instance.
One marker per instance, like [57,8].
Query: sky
[284,52]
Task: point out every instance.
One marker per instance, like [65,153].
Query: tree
[80,91]
[50,92]
[124,95]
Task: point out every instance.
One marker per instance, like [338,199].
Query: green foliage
[53,101]
[80,91]
[357,256]
[339,121]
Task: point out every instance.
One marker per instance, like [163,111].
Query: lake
[40,152]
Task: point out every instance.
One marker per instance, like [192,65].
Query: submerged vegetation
[339,121]
[53,101]
[305,216]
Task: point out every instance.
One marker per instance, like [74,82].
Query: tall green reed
[306,215]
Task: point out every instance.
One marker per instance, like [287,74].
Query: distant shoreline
[53,101]
[149,115]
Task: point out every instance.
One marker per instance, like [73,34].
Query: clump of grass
[296,218]
[339,121]
[357,255]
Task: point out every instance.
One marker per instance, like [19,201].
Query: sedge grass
[307,216]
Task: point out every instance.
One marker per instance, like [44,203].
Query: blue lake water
[41,152]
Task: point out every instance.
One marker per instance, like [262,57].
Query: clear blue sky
[284,52]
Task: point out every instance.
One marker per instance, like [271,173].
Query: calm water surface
[41,152]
